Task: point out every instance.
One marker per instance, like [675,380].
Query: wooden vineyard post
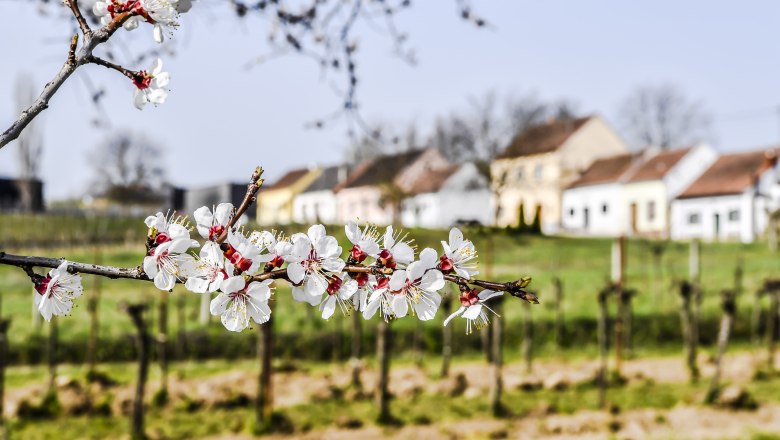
[527,347]
[162,343]
[695,275]
[729,309]
[357,345]
[5,323]
[560,328]
[602,340]
[136,312]
[618,280]
[496,384]
[94,325]
[686,318]
[51,354]
[264,404]
[383,349]
[446,345]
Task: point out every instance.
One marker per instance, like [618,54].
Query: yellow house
[542,161]
[275,203]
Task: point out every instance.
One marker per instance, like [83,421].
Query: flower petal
[457,313]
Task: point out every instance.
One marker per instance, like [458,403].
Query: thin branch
[91,41]
[255,182]
[74,7]
[108,64]
[74,41]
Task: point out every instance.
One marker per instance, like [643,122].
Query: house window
[694,218]
[734,215]
[650,211]
[604,208]
[538,172]
[571,212]
[520,173]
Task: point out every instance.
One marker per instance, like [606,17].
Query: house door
[633,217]
[717,226]
[586,218]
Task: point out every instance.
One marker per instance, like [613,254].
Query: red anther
[469,298]
[382,283]
[216,231]
[142,80]
[446,265]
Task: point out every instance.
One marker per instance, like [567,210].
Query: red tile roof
[543,138]
[433,180]
[731,174]
[381,170]
[607,170]
[657,166]
[289,179]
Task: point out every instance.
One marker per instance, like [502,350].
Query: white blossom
[150,86]
[238,301]
[56,292]
[211,225]
[275,246]
[473,309]
[167,261]
[313,257]
[365,243]
[417,286]
[396,250]
[243,253]
[340,290]
[459,255]
[209,271]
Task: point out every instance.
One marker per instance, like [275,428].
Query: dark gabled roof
[381,170]
[731,174]
[543,138]
[607,170]
[327,180]
[657,166]
[432,181]
[289,179]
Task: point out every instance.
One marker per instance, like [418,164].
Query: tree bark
[496,384]
[136,312]
[729,309]
[603,347]
[384,340]
[357,345]
[264,405]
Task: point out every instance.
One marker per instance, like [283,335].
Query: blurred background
[622,155]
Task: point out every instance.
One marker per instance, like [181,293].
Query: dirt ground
[296,388]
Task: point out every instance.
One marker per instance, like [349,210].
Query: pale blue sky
[221,119]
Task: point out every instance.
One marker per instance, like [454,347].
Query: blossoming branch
[381,273]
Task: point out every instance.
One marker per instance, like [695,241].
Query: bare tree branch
[74,7]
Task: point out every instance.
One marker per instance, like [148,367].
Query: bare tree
[127,168]
[662,115]
[29,145]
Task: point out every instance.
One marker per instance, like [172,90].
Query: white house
[650,188]
[730,201]
[630,194]
[593,204]
[317,203]
[442,198]
[374,191]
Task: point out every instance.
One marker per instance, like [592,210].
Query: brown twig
[255,182]
[74,7]
[74,41]
[109,65]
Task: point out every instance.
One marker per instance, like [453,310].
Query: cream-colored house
[649,191]
[543,160]
[375,190]
[275,203]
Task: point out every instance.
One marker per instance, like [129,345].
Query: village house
[275,202]
[374,191]
[449,196]
[650,188]
[593,204]
[209,196]
[542,161]
[630,194]
[317,202]
[729,201]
